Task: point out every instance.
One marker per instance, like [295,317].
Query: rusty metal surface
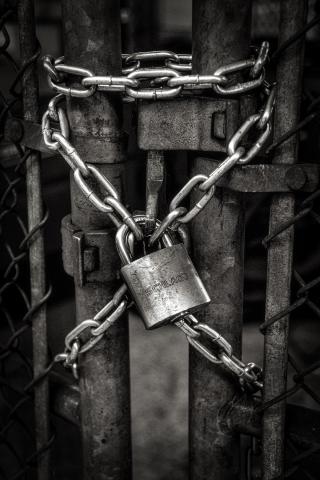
[220,35]
[171,125]
[28,47]
[96,127]
[289,75]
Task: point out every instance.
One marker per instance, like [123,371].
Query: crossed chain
[162,83]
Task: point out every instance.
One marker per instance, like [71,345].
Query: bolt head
[296,178]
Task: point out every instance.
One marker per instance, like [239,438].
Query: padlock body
[165,285]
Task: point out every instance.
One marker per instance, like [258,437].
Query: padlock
[164,284]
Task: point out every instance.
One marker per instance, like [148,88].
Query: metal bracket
[88,256]
[192,123]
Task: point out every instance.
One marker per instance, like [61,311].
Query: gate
[254,244]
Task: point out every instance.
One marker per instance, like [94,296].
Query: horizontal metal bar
[167,125]
[271,178]
[201,124]
[263,178]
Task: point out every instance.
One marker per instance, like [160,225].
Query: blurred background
[159,359]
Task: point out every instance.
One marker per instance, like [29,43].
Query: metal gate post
[92,40]
[30,96]
[221,34]
[289,78]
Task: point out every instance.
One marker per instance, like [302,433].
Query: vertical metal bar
[221,34]
[154,183]
[92,40]
[28,47]
[289,78]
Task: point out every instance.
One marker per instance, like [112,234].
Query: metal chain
[58,140]
[249,375]
[171,82]
[89,332]
[157,82]
[160,82]
[236,155]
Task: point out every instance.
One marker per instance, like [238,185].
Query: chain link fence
[19,450]
[302,445]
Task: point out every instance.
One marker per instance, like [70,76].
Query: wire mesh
[18,449]
[303,358]
[303,390]
[302,452]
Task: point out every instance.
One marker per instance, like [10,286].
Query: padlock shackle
[122,247]
[122,239]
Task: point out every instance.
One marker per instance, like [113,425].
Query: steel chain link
[153,83]
[250,374]
[157,82]
[77,343]
[236,155]
[58,140]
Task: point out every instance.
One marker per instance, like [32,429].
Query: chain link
[77,343]
[237,155]
[81,92]
[183,64]
[245,128]
[163,81]
[249,375]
